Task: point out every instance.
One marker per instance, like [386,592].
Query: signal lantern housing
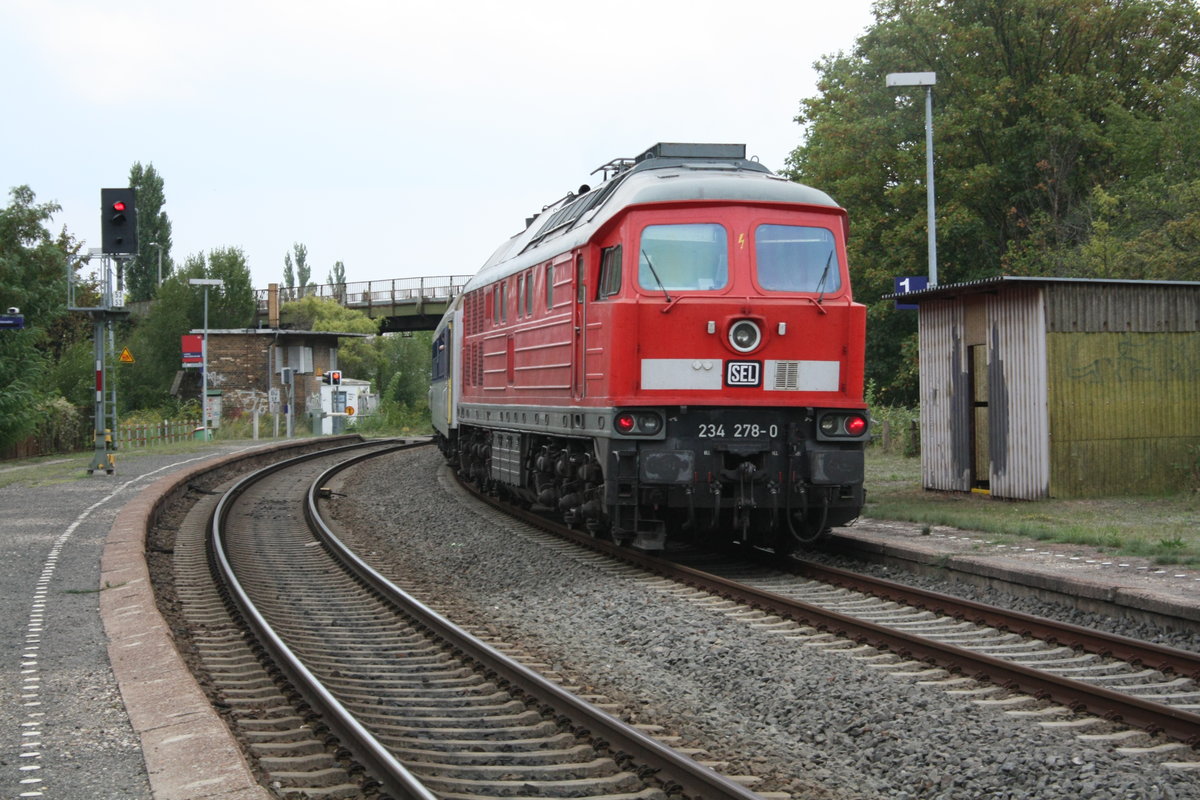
[118,222]
[333,377]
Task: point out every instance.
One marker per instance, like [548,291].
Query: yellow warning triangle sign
[126,356]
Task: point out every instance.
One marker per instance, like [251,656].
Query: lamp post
[926,79]
[159,246]
[205,282]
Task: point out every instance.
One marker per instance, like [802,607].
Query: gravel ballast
[810,722]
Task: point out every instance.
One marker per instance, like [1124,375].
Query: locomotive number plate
[736,430]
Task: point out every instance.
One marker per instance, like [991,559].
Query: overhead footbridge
[401,304]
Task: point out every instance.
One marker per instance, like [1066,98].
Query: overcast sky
[402,138]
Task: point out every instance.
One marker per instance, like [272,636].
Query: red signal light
[119,205]
[856,426]
[624,422]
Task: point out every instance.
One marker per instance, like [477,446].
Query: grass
[1165,529]
[66,467]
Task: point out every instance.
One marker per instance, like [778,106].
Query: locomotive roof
[667,172]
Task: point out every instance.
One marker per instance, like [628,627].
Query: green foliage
[33,277]
[894,429]
[297,271]
[59,426]
[1065,135]
[406,365]
[396,419]
[357,358]
[154,228]
[323,314]
[156,340]
[337,275]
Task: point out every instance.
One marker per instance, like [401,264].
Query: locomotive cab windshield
[686,257]
[795,258]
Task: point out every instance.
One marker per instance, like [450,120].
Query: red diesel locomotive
[673,354]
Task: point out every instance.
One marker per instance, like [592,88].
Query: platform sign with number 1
[906,285]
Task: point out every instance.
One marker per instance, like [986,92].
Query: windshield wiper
[824,276]
[654,272]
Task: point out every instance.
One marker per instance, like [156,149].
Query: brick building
[245,364]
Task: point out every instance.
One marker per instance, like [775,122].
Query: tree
[1034,103]
[296,272]
[406,367]
[289,275]
[154,234]
[33,270]
[357,358]
[180,308]
[337,279]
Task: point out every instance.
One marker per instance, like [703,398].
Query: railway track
[350,687]
[977,650]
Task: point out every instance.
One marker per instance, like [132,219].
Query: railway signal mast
[118,237]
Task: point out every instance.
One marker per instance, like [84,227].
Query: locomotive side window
[441,355]
[549,286]
[529,293]
[693,256]
[610,272]
[579,279]
[520,296]
[796,258]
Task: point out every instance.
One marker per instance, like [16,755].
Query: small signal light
[624,422]
[119,205]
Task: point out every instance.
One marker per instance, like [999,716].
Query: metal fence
[368,294]
[146,434]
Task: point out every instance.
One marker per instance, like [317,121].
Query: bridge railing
[366,295]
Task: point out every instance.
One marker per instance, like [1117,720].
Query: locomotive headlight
[829,425]
[744,335]
[625,422]
[649,424]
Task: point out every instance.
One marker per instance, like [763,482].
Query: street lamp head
[911,78]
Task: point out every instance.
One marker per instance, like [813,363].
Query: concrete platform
[1086,577]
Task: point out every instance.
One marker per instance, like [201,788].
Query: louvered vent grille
[787,375]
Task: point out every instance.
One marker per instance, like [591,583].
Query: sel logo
[743,373]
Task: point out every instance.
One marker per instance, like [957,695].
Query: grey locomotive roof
[664,173]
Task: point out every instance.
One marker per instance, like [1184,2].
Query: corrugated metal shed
[1018,423]
[945,442]
[1044,386]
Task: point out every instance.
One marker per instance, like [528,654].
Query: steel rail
[1149,654]
[358,740]
[1176,723]
[685,774]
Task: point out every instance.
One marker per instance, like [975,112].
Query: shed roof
[994,283]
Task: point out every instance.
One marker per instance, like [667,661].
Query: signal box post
[118,225]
